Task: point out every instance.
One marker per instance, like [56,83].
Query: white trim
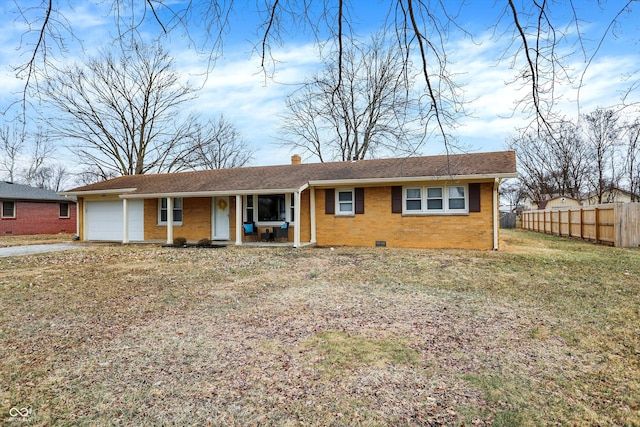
[210,193]
[424,192]
[159,216]
[374,181]
[15,208]
[68,210]
[90,192]
[352,212]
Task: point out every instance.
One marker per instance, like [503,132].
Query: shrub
[179,241]
[204,242]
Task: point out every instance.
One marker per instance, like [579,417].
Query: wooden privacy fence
[616,224]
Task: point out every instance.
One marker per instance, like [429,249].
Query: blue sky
[237,88]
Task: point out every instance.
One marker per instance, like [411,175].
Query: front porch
[252,244]
[224,219]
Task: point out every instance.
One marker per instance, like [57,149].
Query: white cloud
[238,88]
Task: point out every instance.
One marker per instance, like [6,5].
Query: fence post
[597,221]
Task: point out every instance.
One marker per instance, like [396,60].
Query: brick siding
[378,224]
[34,217]
[469,231]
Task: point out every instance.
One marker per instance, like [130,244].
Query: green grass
[339,351]
[543,332]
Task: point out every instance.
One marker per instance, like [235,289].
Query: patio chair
[281,232]
[250,229]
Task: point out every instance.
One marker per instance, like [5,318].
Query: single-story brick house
[31,210]
[420,202]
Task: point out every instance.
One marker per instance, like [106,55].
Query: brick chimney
[296,159]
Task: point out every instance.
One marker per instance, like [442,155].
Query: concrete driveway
[37,249]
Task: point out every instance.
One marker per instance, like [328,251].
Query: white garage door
[103,220]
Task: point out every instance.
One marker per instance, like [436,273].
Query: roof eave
[220,193]
[396,180]
[93,192]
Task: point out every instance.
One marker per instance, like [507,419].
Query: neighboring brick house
[30,210]
[421,202]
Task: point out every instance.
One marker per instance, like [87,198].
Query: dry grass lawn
[37,239]
[545,332]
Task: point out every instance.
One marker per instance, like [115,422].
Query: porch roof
[296,176]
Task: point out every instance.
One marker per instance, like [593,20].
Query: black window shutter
[474,197]
[329,201]
[396,199]
[359,200]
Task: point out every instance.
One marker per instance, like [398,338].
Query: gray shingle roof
[11,191]
[296,175]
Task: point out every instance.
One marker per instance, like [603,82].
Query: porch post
[312,206]
[238,219]
[169,220]
[296,230]
[125,221]
[79,215]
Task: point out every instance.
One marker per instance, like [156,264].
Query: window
[434,199]
[414,199]
[177,211]
[292,208]
[344,202]
[64,210]
[446,199]
[248,210]
[456,198]
[8,209]
[271,207]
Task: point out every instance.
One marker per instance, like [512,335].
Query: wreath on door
[222,204]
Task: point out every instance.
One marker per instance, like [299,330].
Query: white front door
[221,218]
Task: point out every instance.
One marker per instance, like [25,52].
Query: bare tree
[602,133]
[50,177]
[632,166]
[217,145]
[539,36]
[13,139]
[552,163]
[124,112]
[91,176]
[373,110]
[37,171]
[30,158]
[514,192]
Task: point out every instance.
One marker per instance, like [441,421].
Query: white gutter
[208,193]
[93,192]
[373,181]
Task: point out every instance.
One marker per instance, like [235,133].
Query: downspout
[496,215]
